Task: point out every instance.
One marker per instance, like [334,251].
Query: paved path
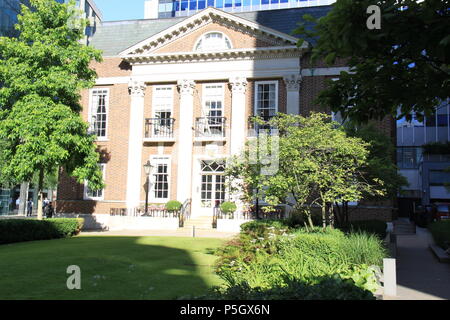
[183,232]
[420,276]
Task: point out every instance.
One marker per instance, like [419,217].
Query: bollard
[390,277]
[193,231]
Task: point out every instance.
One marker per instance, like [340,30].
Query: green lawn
[111,268]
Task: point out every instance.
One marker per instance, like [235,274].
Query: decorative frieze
[186,86]
[238,85]
[292,82]
[136,88]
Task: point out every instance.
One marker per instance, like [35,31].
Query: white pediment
[147,47]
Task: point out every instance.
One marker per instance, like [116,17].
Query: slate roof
[115,36]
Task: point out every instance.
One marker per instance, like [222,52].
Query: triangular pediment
[181,37]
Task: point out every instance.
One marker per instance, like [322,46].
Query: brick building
[179,92]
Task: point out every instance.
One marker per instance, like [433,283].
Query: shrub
[266,260]
[173,205]
[441,233]
[261,227]
[376,227]
[18,230]
[330,288]
[228,207]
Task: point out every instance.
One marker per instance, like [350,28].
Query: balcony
[256,128]
[159,130]
[210,129]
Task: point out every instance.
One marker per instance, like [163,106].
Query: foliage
[18,230]
[436,148]
[42,72]
[228,207]
[268,256]
[403,64]
[260,228]
[441,233]
[328,288]
[173,205]
[376,227]
[318,164]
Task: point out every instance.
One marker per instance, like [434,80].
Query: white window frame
[205,96]
[203,37]
[155,161]
[257,83]
[154,96]
[86,196]
[91,97]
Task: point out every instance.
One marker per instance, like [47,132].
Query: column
[292,82]
[135,141]
[185,139]
[238,119]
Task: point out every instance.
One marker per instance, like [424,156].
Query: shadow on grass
[111,268]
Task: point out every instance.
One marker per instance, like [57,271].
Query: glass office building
[179,8]
[9,9]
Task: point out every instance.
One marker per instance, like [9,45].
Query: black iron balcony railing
[209,127]
[159,127]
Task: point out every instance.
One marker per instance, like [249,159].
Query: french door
[212,185]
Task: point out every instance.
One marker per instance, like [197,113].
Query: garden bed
[270,260]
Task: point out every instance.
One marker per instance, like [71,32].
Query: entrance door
[212,186]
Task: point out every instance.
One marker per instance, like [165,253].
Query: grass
[111,268]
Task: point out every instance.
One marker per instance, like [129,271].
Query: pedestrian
[49,211]
[30,208]
[17,203]
[45,203]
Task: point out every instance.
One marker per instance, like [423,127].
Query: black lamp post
[147,168]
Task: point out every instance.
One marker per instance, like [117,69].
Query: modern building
[425,172]
[178,93]
[182,8]
[9,9]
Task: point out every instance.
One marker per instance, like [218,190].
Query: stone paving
[183,232]
[420,276]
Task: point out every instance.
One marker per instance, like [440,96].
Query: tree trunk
[324,215]
[23,202]
[40,194]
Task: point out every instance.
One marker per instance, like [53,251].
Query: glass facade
[9,9]
[179,8]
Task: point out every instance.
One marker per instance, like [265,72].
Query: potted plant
[228,207]
[173,206]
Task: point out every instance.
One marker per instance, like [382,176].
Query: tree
[318,165]
[405,64]
[42,72]
[379,169]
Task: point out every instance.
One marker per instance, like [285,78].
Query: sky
[121,9]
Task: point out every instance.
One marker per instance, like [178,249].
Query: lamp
[147,169]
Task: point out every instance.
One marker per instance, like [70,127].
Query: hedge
[441,233]
[18,230]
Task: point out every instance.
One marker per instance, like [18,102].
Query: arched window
[213,41]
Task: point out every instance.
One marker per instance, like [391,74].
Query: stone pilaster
[292,82]
[135,141]
[186,88]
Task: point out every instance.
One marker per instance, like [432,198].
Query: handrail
[210,126]
[159,127]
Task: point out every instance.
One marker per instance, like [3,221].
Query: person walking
[49,211]
[30,208]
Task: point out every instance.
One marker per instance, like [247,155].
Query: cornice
[226,55]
